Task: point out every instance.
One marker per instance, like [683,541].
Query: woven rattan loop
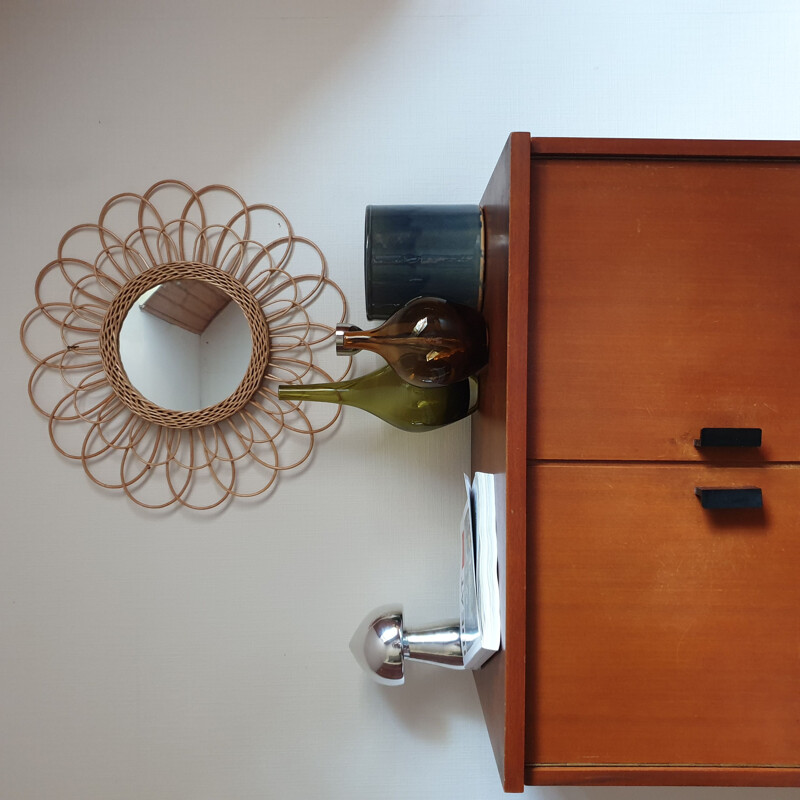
[156,456]
[124,301]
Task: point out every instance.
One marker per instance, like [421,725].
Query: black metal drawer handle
[740,497]
[729,437]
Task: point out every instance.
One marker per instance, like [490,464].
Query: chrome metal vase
[381,644]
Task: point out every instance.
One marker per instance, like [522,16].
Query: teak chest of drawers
[638,292]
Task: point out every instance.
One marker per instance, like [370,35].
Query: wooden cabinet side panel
[499,442]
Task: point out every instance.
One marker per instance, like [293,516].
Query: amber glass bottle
[428,342]
[384,394]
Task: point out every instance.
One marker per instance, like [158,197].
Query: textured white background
[182,655]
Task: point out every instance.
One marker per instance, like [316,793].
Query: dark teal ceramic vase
[411,251]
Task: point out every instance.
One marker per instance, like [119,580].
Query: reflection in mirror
[185,345]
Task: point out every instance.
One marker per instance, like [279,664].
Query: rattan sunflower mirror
[142,289]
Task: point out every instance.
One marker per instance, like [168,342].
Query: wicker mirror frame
[122,304]
[197,459]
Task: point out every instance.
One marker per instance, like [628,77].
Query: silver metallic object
[338,338]
[381,645]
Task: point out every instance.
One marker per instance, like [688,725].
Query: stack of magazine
[480,589]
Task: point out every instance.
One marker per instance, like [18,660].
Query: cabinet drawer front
[660,632]
[665,298]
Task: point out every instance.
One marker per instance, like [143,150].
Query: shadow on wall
[259,80]
[430,704]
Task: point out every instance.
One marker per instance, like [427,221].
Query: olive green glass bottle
[384,394]
[428,342]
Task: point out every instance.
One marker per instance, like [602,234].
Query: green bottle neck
[387,396]
[319,393]
[342,392]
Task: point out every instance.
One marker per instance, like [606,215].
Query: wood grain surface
[661,633]
[661,296]
[498,442]
[666,298]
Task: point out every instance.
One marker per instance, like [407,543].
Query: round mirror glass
[185,345]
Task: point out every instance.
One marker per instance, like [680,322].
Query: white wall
[161,360]
[183,655]
[181,370]
[224,350]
